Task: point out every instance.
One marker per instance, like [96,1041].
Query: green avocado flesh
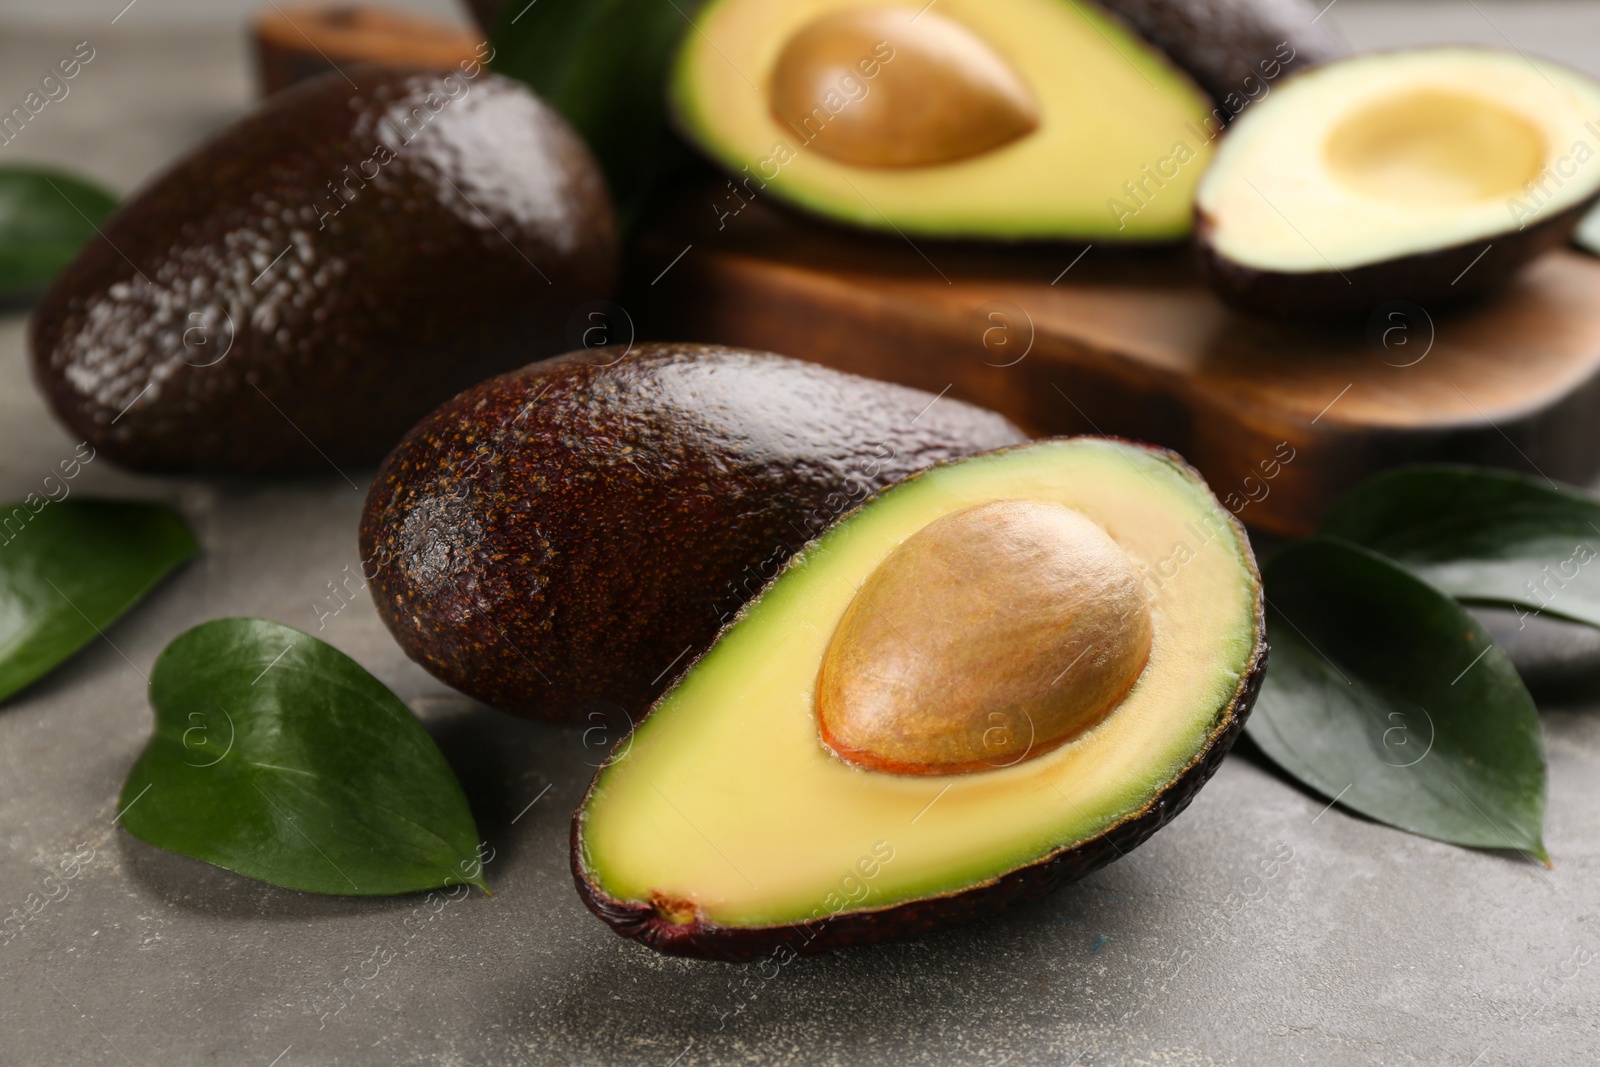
[1391,155]
[725,807]
[1119,146]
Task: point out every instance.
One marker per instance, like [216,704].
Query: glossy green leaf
[45,217]
[603,64]
[1384,694]
[1483,536]
[277,756]
[69,568]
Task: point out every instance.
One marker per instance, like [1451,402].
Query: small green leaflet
[69,568]
[277,756]
[603,64]
[1483,536]
[1384,694]
[45,217]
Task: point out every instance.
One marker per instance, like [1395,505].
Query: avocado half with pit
[994,678]
[982,118]
[1427,175]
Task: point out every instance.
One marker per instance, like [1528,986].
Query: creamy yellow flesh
[726,799]
[1393,154]
[1110,107]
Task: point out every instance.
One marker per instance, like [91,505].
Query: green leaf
[45,217]
[1386,695]
[277,756]
[69,568]
[603,64]
[1483,536]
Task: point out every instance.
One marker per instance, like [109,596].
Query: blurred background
[167,72]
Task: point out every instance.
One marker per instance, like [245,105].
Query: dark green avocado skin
[313,279]
[850,929]
[703,940]
[1233,49]
[559,542]
[1444,276]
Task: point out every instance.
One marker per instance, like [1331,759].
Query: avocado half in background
[985,683]
[982,118]
[1426,175]
[556,542]
[313,279]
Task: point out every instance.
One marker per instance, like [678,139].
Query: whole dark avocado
[305,285]
[559,541]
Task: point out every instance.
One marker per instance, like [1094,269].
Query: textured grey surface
[1360,945]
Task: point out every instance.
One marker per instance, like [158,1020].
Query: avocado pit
[989,636]
[889,87]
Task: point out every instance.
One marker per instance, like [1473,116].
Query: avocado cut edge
[1063,865]
[702,940]
[1451,275]
[1222,44]
[1380,202]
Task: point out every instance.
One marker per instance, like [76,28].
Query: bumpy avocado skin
[432,230]
[559,542]
[1443,276]
[1233,48]
[850,929]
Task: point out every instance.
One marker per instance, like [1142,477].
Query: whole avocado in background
[306,284]
[558,542]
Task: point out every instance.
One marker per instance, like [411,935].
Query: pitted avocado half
[990,680]
[1426,175]
[1044,119]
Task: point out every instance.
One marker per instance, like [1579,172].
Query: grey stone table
[1363,946]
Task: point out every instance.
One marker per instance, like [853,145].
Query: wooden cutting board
[1280,419]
